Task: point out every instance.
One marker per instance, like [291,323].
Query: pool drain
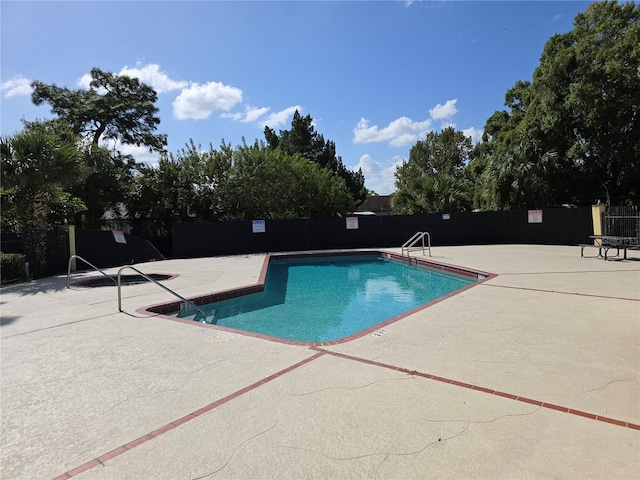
[378,333]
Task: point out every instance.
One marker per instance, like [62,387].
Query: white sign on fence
[118,236]
[535,216]
[258,226]
[352,223]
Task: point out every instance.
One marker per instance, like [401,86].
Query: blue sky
[375,76]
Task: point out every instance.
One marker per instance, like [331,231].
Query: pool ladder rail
[71,263]
[411,244]
[118,282]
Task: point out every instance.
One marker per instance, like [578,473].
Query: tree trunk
[34,212]
[98,133]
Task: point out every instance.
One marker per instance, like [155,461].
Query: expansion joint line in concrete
[180,421]
[517,398]
[561,293]
[567,272]
[53,326]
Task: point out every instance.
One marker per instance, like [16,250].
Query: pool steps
[412,244]
[147,277]
[118,281]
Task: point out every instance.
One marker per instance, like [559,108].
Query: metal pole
[195,307]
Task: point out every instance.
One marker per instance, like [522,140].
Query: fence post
[597,217]
[72,245]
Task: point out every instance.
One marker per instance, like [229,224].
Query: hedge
[12,267]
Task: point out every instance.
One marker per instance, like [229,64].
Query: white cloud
[151,75]
[379,176]
[257,115]
[16,86]
[474,133]
[140,154]
[557,17]
[199,101]
[84,81]
[446,111]
[250,114]
[277,119]
[401,131]
[404,131]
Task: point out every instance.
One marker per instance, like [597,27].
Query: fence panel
[57,253]
[558,227]
[622,221]
[100,248]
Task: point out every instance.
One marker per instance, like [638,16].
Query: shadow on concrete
[33,287]
[6,320]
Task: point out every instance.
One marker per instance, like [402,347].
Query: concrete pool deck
[531,374]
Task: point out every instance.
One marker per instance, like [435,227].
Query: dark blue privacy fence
[562,226]
[10,242]
[57,254]
[101,248]
[97,246]
[200,239]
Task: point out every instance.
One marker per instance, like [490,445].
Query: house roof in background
[376,204]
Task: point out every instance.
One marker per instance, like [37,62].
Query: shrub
[11,267]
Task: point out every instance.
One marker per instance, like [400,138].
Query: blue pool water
[328,298]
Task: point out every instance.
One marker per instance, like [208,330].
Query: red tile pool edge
[319,353]
[162,309]
[182,420]
[517,398]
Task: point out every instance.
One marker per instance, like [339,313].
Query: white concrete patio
[532,374]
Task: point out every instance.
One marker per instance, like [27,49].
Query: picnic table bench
[604,243]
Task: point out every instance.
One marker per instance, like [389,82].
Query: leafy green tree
[304,140]
[108,185]
[417,196]
[579,117]
[36,166]
[588,88]
[499,134]
[114,107]
[9,221]
[160,197]
[191,185]
[500,128]
[64,206]
[107,181]
[518,177]
[208,172]
[474,177]
[248,182]
[432,180]
[269,183]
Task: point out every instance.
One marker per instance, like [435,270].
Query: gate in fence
[622,221]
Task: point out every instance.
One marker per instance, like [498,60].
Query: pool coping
[162,310]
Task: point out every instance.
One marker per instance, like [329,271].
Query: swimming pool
[323,299]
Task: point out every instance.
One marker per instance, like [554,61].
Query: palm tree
[519,176]
[417,195]
[36,164]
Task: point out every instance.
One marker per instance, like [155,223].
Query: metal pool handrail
[78,257]
[410,244]
[146,277]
